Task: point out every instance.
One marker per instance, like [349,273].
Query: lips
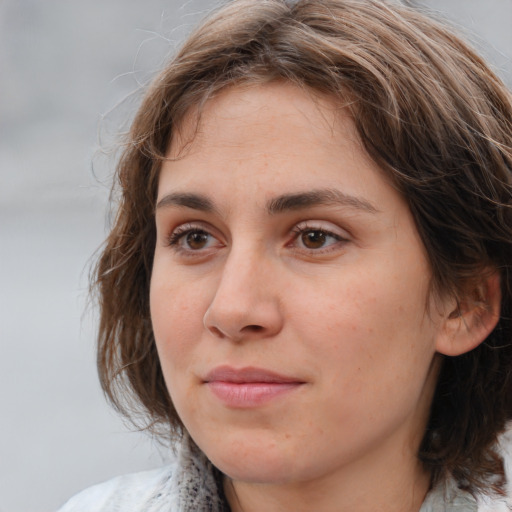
[248,387]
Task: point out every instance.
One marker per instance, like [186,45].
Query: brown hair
[432,116]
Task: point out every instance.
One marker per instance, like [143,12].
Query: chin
[260,461]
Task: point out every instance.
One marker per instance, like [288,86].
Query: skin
[332,294]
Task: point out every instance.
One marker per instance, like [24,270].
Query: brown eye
[196,240]
[314,239]
[191,239]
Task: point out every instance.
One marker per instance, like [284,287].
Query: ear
[469,322]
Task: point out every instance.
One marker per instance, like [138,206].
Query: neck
[399,486]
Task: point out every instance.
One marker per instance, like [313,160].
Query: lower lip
[250,394]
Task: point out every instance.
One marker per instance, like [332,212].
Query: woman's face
[289,293]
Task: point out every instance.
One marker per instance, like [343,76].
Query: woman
[308,281]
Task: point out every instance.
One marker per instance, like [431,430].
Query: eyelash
[175,238]
[302,229]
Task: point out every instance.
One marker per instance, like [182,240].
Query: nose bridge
[241,266]
[246,301]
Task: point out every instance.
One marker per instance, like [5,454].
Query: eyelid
[331,230]
[176,234]
[322,225]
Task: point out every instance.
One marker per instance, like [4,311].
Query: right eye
[192,239]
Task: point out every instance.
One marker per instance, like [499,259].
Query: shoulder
[190,484]
[447,496]
[505,447]
[490,503]
[149,491]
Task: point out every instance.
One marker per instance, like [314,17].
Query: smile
[248,387]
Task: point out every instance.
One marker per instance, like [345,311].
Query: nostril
[216,331]
[253,328]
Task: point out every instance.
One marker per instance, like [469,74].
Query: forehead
[255,143]
[247,111]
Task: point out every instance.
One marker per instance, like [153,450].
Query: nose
[246,304]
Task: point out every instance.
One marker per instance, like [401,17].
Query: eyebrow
[290,202]
[193,201]
[280,204]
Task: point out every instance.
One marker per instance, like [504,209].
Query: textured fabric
[446,497]
[191,484]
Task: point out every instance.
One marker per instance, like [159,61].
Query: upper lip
[247,374]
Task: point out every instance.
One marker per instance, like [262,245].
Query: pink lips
[248,387]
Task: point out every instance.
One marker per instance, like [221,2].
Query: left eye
[316,238]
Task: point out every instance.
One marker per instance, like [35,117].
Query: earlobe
[472,319]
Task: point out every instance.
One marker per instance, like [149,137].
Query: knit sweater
[192,484]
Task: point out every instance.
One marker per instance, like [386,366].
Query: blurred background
[65,68]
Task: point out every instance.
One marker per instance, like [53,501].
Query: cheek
[177,321]
[369,324]
[372,354]
[176,327]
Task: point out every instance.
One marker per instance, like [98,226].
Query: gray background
[63,64]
